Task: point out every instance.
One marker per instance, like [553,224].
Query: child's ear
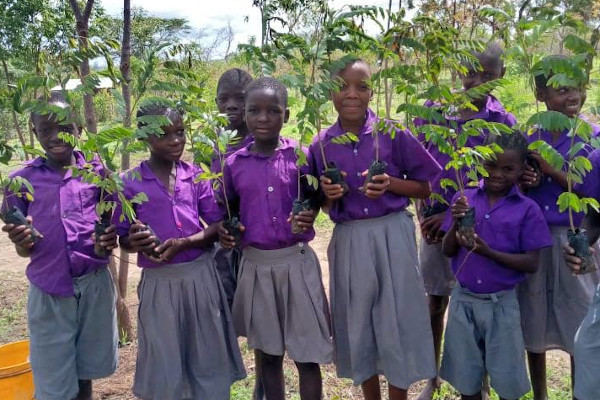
[287,115]
[540,95]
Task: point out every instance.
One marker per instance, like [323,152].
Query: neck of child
[266,147]
[60,164]
[494,196]
[352,126]
[159,164]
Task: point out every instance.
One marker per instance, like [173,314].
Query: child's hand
[460,207]
[141,240]
[170,248]
[20,235]
[430,228]
[332,192]
[226,240]
[574,263]
[545,168]
[304,219]
[378,187]
[529,179]
[109,239]
[478,245]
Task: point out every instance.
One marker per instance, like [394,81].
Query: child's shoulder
[28,168]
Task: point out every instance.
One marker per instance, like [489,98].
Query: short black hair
[158,106]
[548,66]
[511,141]
[57,99]
[235,76]
[340,65]
[268,82]
[493,50]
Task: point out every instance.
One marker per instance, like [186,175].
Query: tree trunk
[13,112]
[125,326]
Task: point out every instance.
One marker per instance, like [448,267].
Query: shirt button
[274,219]
[173,202]
[270,188]
[546,208]
[358,174]
[549,179]
[178,223]
[366,210]
[355,151]
[301,244]
[479,281]
[68,247]
[64,215]
[487,216]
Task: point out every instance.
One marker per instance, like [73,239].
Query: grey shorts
[587,353]
[72,338]
[438,277]
[483,335]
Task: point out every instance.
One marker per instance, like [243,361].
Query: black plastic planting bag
[466,226]
[578,241]
[232,225]
[376,168]
[15,216]
[297,207]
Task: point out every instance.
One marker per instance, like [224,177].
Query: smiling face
[491,68]
[352,99]
[266,112]
[47,128]
[230,101]
[504,172]
[170,145]
[565,99]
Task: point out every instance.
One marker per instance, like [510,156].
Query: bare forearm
[409,188]
[23,252]
[201,239]
[522,262]
[559,177]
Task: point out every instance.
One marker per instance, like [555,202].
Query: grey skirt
[378,302]
[587,354]
[553,301]
[187,348]
[436,270]
[280,304]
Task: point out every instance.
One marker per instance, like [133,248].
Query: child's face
[170,145]
[47,129]
[565,99]
[491,69]
[266,113]
[504,172]
[352,100]
[230,101]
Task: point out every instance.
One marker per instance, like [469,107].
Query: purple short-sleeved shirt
[170,216]
[547,192]
[591,182]
[492,112]
[64,211]
[406,158]
[266,188]
[514,224]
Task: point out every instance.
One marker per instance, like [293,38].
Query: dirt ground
[13,290]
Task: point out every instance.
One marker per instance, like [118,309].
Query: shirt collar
[514,190]
[284,144]
[492,106]
[184,170]
[80,160]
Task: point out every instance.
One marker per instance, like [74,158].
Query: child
[71,303]
[186,344]
[483,335]
[435,267]
[279,304]
[378,302]
[231,89]
[550,317]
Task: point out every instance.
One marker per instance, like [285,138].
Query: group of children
[510,288]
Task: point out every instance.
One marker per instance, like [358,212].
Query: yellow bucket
[16,379]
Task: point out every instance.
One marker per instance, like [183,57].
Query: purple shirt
[514,224]
[492,112]
[170,216]
[64,211]
[591,182]
[406,158]
[547,192]
[215,166]
[266,188]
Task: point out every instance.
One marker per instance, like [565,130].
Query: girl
[435,267]
[484,327]
[553,301]
[186,344]
[378,302]
[280,303]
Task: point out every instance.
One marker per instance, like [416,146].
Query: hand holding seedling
[142,240]
[332,191]
[378,186]
[460,208]
[109,239]
[304,219]
[574,263]
[430,228]
[170,248]
[20,235]
[226,239]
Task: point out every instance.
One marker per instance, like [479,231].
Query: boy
[483,335]
[71,303]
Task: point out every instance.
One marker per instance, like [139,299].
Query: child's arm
[401,187]
[21,237]
[451,243]
[138,239]
[522,262]
[557,176]
[171,247]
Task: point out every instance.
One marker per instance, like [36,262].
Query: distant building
[72,84]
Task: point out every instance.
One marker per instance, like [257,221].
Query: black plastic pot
[436,208]
[333,173]
[578,240]
[233,228]
[376,168]
[297,207]
[157,242]
[99,230]
[466,226]
[15,216]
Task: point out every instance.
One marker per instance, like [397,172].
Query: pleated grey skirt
[378,302]
[553,301]
[280,304]
[587,354]
[187,348]
[436,270]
